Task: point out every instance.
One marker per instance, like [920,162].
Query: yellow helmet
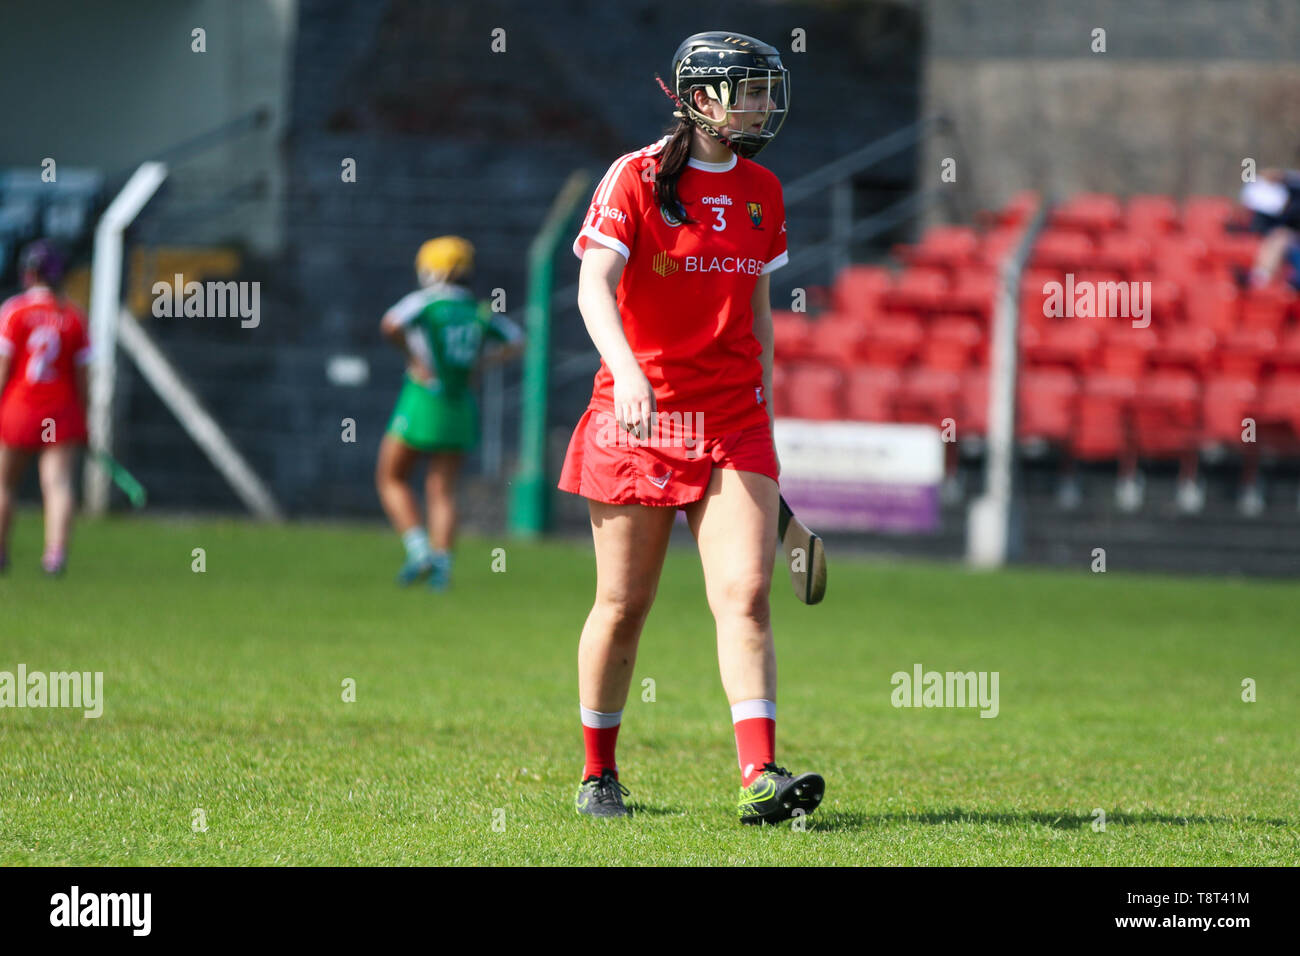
[446,258]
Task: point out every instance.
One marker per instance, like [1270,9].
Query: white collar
[712,167]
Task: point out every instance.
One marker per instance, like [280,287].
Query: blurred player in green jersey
[445,334]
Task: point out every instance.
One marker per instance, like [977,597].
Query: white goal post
[988,527]
[112,325]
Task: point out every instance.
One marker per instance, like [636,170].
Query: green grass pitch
[224,694]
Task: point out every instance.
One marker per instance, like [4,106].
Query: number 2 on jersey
[44,344]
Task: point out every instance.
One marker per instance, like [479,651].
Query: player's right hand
[634,403]
[420,372]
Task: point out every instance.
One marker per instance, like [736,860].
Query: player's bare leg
[734,524]
[1268,259]
[631,541]
[13,462]
[440,497]
[56,469]
[392,481]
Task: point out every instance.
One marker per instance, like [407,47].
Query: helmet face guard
[743,74]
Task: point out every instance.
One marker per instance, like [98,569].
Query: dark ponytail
[672,160]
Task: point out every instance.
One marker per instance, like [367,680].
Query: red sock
[599,741]
[755,725]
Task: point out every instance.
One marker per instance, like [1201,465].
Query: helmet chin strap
[683,113]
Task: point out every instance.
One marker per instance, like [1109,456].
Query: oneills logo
[664,264]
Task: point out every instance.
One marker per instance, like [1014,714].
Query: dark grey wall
[1184,92]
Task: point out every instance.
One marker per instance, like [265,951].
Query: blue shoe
[413,571]
[440,576]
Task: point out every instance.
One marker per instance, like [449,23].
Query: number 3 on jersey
[721,224]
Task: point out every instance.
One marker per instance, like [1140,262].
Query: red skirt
[672,469]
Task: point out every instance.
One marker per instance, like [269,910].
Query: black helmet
[723,63]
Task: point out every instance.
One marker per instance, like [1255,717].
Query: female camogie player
[442,331]
[677,250]
[43,391]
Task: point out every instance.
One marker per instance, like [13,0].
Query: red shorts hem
[603,465]
[28,428]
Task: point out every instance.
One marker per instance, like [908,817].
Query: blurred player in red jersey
[43,391]
[677,250]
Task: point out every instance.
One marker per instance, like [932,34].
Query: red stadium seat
[1092,213]
[780,380]
[1166,303]
[1126,351]
[917,290]
[1233,249]
[1101,429]
[998,244]
[858,290]
[871,393]
[1188,347]
[791,335]
[1150,215]
[952,342]
[1167,415]
[1046,404]
[837,340]
[928,396]
[1018,210]
[1062,252]
[1206,216]
[893,340]
[943,247]
[1266,308]
[1279,412]
[1286,357]
[974,291]
[1179,257]
[1069,343]
[814,392]
[1225,401]
[1211,304]
[1243,352]
[1128,254]
[974,403]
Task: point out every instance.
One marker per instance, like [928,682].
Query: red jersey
[45,340]
[685,293]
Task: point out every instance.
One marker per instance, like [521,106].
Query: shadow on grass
[833,820]
[649,810]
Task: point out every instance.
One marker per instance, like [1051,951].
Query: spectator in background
[43,391]
[1274,201]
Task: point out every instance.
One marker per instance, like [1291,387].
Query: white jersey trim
[413,303]
[778,262]
[712,167]
[607,241]
[616,168]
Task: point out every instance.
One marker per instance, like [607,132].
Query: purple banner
[829,506]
